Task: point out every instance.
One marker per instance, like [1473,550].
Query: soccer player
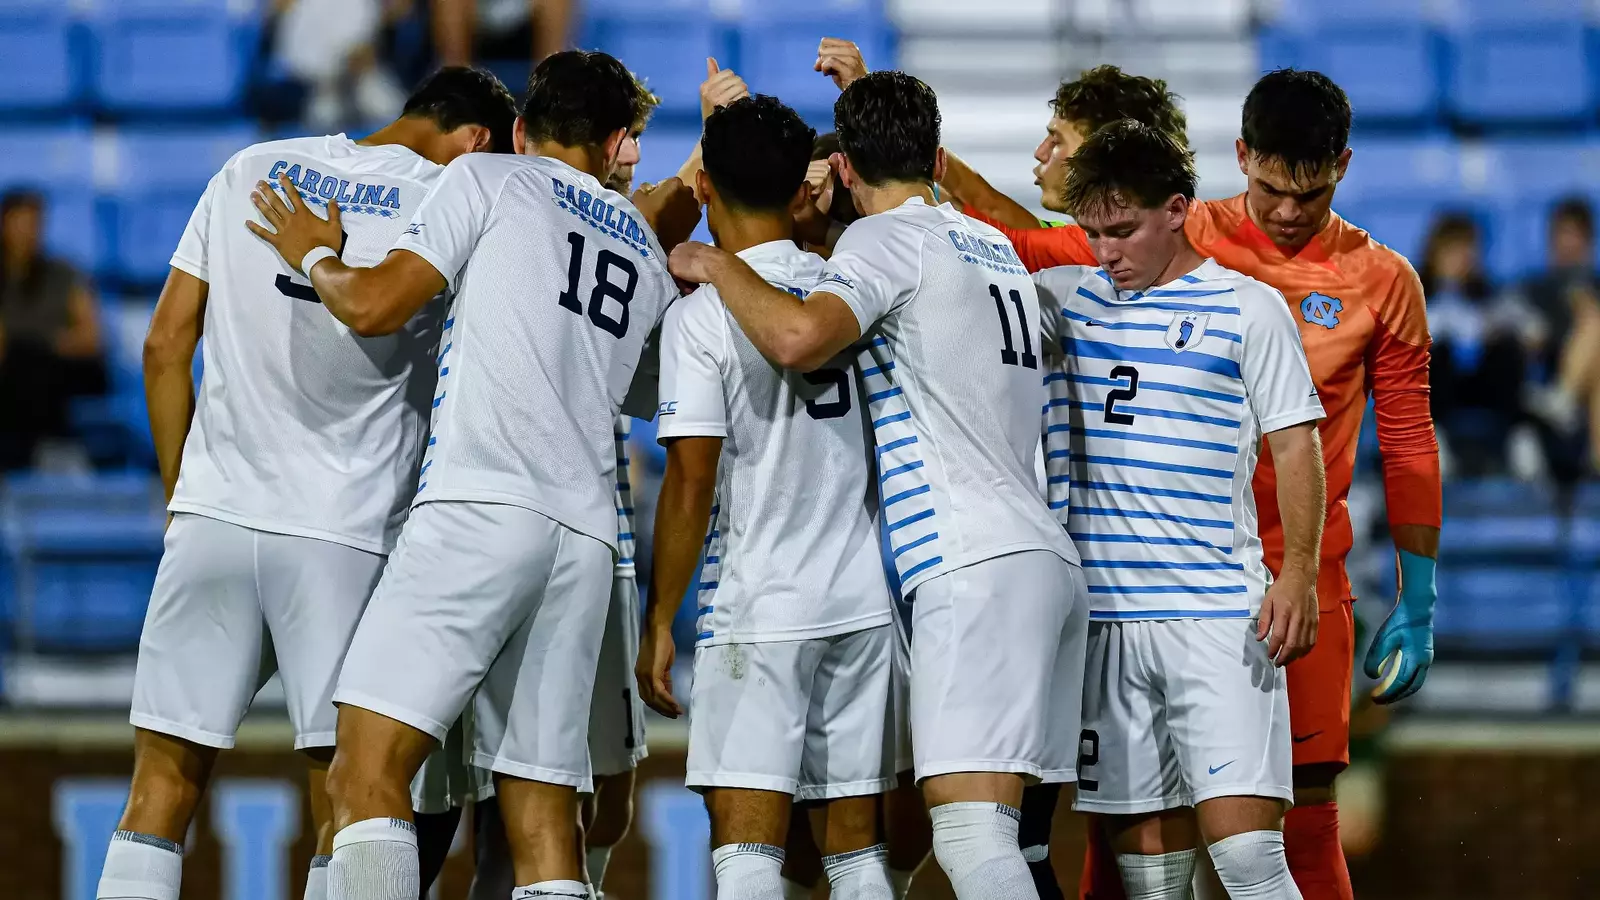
[954,392]
[766,470]
[1359,307]
[498,590]
[288,477]
[1174,369]
[1097,97]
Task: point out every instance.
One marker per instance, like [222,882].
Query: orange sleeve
[1397,373]
[1045,248]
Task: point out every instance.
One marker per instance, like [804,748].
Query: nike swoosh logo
[1215,769]
[1302,738]
[1094,324]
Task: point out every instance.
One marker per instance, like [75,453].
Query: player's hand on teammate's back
[671,209]
[295,230]
[653,670]
[720,88]
[1407,634]
[694,262]
[1288,621]
[840,60]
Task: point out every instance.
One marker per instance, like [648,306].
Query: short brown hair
[1104,94]
[1128,164]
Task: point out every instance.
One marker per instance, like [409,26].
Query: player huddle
[403,487]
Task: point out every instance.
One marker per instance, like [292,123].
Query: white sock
[1252,866]
[375,859]
[794,890]
[900,880]
[976,845]
[748,871]
[859,874]
[1163,877]
[576,890]
[317,878]
[141,867]
[595,859]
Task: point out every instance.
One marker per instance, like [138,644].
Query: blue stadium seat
[778,47]
[667,51]
[1505,539]
[39,57]
[84,551]
[1425,166]
[1391,70]
[1511,71]
[1524,178]
[56,161]
[1520,10]
[1504,609]
[1497,496]
[153,199]
[1321,12]
[171,57]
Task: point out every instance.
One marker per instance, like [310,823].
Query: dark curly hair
[1299,118]
[888,127]
[1105,94]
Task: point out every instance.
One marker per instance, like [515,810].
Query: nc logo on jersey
[1320,309]
[1186,330]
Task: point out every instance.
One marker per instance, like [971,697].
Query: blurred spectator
[467,31]
[1478,360]
[49,334]
[331,46]
[1563,304]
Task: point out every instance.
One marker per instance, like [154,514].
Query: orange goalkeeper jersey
[1360,310]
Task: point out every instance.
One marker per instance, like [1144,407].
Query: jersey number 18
[604,288]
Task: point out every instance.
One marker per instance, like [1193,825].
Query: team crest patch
[1186,331]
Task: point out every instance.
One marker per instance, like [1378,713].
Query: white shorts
[1178,711]
[616,717]
[810,718]
[997,668]
[232,604]
[497,600]
[448,778]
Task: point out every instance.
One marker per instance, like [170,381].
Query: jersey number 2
[1008,353]
[604,288]
[1122,393]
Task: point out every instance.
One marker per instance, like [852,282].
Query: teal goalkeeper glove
[1407,633]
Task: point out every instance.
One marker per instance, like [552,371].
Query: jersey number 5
[833,409]
[1008,353]
[604,288]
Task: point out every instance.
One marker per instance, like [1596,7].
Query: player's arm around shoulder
[791,332]
[427,259]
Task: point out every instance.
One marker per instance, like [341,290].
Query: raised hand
[295,230]
[720,88]
[840,60]
[671,209]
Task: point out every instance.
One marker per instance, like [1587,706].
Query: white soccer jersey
[954,386]
[1167,395]
[301,427]
[555,282]
[792,550]
[624,497]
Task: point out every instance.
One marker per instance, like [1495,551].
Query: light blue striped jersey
[792,549]
[1153,427]
[624,497]
[953,377]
